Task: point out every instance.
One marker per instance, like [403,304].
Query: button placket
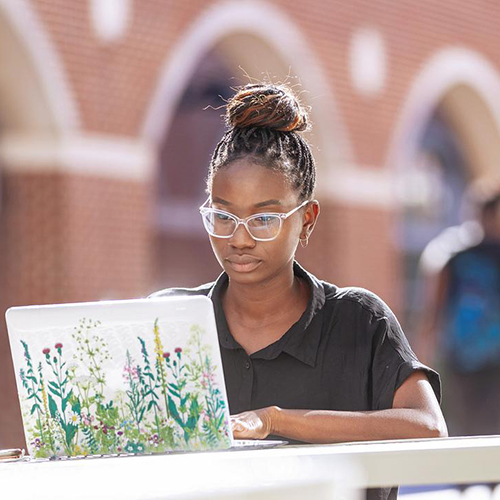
[246,381]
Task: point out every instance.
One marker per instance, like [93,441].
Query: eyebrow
[257,205]
[221,201]
[267,202]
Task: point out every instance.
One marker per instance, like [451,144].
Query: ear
[309,221]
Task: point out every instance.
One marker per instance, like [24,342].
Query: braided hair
[263,123]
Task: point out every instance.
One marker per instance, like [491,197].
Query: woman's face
[243,189]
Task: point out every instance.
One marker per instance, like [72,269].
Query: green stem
[163,387]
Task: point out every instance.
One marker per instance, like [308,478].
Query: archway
[34,92]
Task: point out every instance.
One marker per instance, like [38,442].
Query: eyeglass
[261,227]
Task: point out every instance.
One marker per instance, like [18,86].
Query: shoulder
[442,251]
[363,317]
[357,299]
[335,299]
[172,292]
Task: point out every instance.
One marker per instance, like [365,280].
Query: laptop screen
[137,376]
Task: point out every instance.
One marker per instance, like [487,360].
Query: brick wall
[68,237]
[113,83]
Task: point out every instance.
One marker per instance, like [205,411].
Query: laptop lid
[129,376]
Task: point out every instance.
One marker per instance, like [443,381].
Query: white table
[320,472]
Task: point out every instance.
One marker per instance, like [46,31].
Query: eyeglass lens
[264,226]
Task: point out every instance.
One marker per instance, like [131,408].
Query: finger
[238,426]
[240,432]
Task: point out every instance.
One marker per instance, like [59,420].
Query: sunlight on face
[243,189]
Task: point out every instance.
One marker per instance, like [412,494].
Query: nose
[241,238]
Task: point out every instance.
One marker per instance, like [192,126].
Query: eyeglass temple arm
[285,216]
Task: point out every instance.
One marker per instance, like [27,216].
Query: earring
[304,242]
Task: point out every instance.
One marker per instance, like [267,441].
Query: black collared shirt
[346,352]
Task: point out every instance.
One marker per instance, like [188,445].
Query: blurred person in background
[303,359]
[460,330]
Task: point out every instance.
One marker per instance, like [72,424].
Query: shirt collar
[302,339]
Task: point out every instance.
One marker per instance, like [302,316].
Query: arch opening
[35,97]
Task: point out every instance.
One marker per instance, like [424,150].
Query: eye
[222,217]
[264,219]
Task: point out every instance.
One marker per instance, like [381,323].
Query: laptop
[121,377]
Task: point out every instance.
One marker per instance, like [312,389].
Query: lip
[243,263]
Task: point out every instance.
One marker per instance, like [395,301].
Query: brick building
[104,140]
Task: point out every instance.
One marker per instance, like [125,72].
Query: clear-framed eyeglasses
[261,227]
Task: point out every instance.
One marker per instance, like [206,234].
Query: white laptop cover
[134,376]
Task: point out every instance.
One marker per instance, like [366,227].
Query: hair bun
[266,105]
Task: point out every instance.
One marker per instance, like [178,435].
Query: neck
[263,300]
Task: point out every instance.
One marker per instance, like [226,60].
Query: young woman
[303,359]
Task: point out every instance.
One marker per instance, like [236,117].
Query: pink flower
[58,345]
[166,355]
[178,350]
[130,372]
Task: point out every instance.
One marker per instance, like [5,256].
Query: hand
[255,424]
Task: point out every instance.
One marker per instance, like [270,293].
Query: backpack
[473,312]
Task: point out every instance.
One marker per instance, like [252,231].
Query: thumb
[237,425]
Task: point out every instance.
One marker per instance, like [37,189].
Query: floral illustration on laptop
[168,399]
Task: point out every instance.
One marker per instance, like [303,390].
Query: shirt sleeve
[393,362]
